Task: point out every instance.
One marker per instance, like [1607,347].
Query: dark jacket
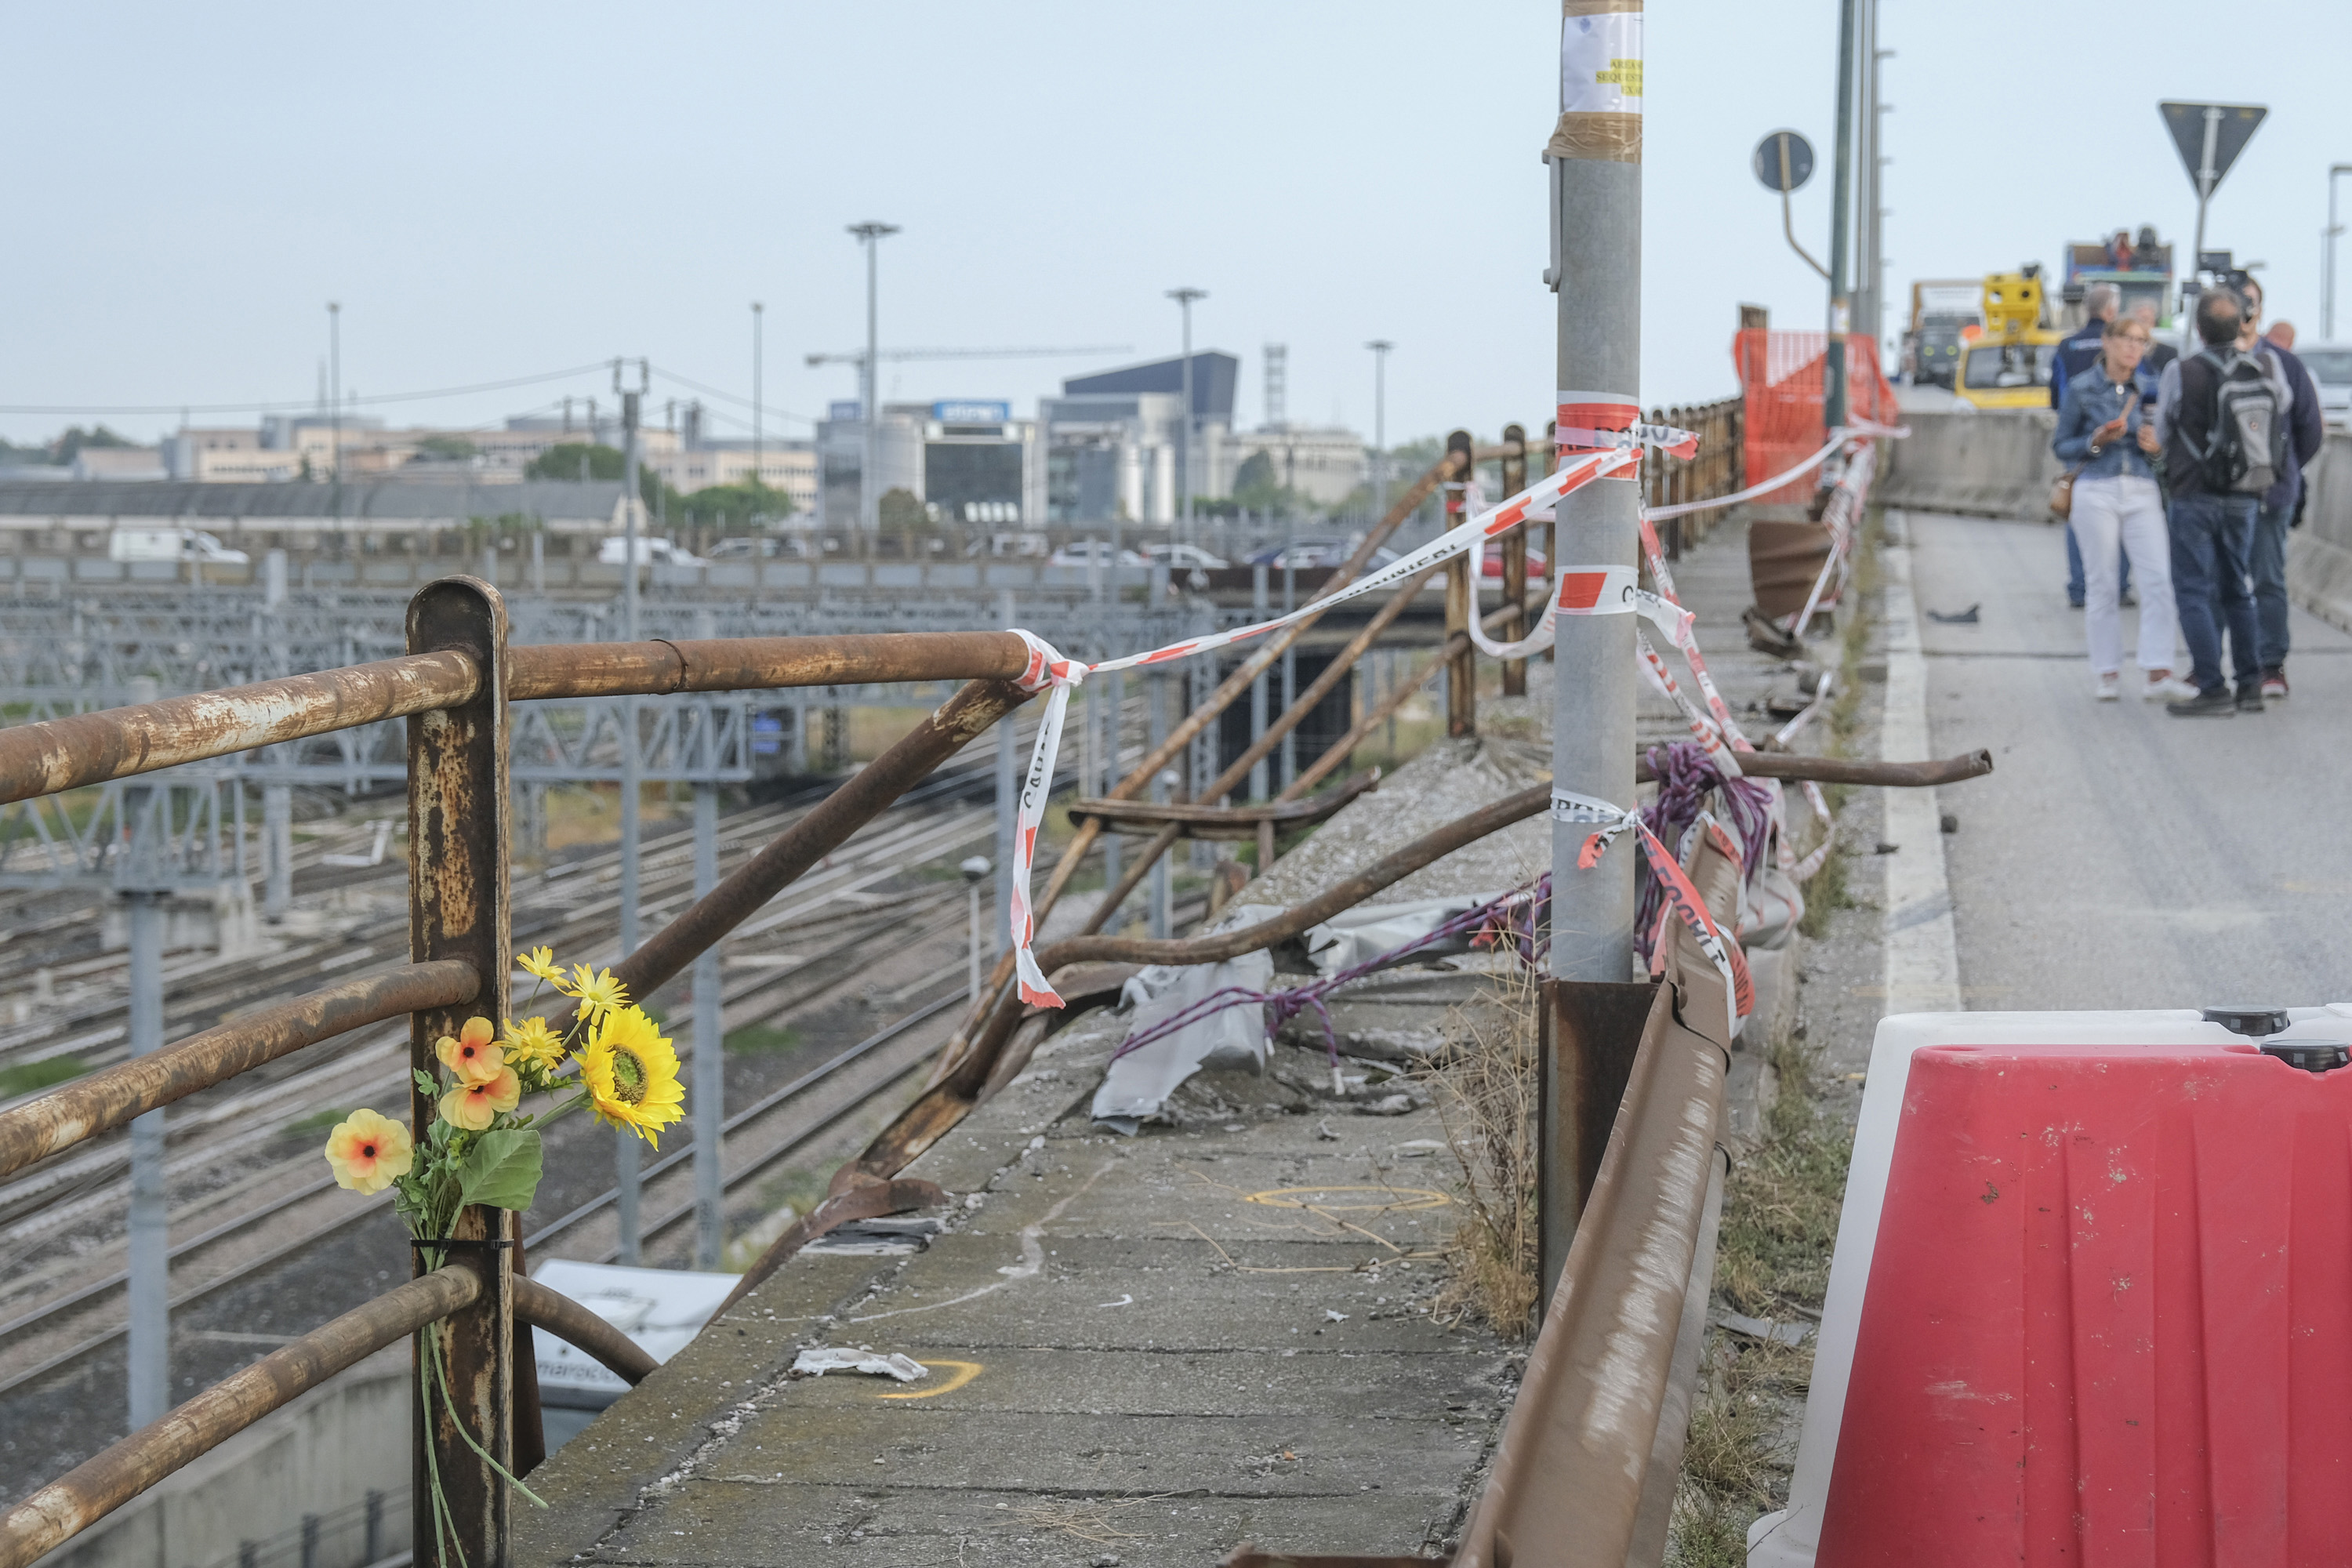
[2091,401]
[2075,355]
[2306,428]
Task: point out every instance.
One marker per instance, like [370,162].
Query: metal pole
[2205,180]
[624,1141]
[460,856]
[1008,802]
[151,1327]
[1833,398]
[709,1047]
[1597,192]
[1290,655]
[2328,319]
[971,951]
[1460,604]
[1877,321]
[335,391]
[1156,683]
[1184,297]
[1259,601]
[759,433]
[1515,561]
[277,849]
[1379,347]
[869,487]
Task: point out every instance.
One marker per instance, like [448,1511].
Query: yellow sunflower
[598,990]
[630,1072]
[540,962]
[532,1044]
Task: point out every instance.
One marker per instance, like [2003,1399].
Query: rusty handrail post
[458,864]
[1460,604]
[1515,561]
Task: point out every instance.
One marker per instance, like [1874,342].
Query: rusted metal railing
[456,686]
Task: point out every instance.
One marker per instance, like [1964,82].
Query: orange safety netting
[1781,375]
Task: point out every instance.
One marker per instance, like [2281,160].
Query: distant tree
[1257,488]
[67,446]
[455,447]
[736,506]
[563,462]
[899,509]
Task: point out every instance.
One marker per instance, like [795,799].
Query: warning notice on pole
[1601,61]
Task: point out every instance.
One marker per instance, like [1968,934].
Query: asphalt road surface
[2119,856]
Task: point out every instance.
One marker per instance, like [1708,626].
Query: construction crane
[859,357]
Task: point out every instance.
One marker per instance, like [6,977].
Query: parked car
[171,544]
[1079,552]
[1306,554]
[2331,370]
[615,552]
[747,547]
[1178,557]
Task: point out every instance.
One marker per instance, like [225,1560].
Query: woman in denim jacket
[2108,436]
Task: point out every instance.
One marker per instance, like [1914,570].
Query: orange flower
[368,1151]
[472,1056]
[472,1105]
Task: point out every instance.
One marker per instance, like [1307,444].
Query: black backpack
[2246,448]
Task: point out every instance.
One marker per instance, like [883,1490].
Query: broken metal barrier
[453,686]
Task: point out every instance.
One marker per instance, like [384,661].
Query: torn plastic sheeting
[817,1362]
[1361,934]
[1137,1084]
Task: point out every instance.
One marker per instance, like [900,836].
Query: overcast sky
[497,192]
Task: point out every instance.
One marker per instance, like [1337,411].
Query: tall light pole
[1379,347]
[335,389]
[1834,401]
[1184,297]
[869,493]
[2327,265]
[758,320]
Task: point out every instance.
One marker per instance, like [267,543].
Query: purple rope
[1686,774]
[1517,918]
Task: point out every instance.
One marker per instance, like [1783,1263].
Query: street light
[1184,297]
[2328,264]
[1379,347]
[335,381]
[759,321]
[869,496]
[974,869]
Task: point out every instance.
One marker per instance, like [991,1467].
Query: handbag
[2062,488]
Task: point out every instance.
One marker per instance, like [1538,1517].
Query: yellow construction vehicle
[2006,363]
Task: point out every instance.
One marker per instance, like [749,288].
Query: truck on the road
[2006,363]
[1941,310]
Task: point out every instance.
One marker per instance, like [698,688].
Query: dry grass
[1485,1095]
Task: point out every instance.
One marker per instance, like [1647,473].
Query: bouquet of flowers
[610,1059]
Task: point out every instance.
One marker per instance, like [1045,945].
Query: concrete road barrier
[1986,463]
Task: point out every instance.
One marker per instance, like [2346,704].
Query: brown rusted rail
[574,1324]
[91,748]
[105,1481]
[1844,770]
[111,1098]
[1219,821]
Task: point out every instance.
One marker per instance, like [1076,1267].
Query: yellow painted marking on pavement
[1392,1198]
[965,1372]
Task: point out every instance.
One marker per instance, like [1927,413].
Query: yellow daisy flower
[598,990]
[472,1105]
[540,962]
[532,1044]
[368,1151]
[630,1071]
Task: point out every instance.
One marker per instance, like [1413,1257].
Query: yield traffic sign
[2210,136]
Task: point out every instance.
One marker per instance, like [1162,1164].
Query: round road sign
[1784,161]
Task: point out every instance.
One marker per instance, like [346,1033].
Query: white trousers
[2124,511]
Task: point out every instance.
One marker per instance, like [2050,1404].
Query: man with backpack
[2306,429]
[2221,416]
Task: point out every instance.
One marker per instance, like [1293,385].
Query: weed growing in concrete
[1485,1096]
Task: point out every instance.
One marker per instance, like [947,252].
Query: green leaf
[425,1084]
[502,1169]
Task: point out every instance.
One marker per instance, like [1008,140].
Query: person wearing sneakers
[2106,433]
[2212,520]
[2305,430]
